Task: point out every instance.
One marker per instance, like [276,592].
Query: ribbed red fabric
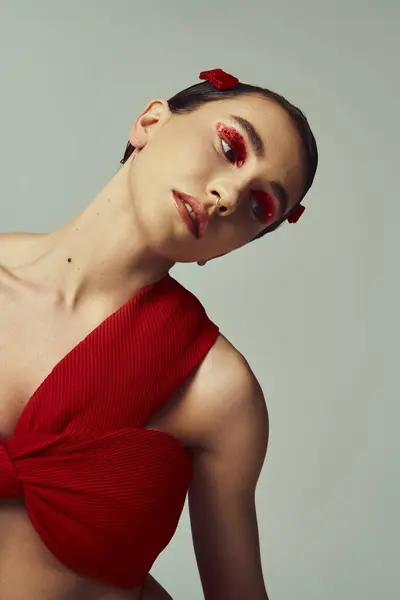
[104,494]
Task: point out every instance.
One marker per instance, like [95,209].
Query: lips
[194,215]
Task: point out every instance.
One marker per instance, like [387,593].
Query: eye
[228,151]
[233,144]
[262,206]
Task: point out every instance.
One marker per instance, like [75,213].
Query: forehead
[283,158]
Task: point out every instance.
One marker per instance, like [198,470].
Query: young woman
[118,395]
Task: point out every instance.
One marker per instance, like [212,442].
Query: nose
[226,196]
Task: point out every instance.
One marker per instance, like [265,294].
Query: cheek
[192,140]
[194,158]
[235,232]
[181,155]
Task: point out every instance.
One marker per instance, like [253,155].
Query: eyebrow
[255,139]
[259,150]
[282,195]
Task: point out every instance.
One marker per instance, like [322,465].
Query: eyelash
[226,152]
[235,141]
[268,210]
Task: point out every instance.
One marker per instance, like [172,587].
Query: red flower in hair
[219,79]
[296,213]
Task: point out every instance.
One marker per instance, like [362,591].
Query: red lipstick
[192,213]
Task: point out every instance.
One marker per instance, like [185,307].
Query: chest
[34,340]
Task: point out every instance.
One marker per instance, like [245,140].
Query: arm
[225,475]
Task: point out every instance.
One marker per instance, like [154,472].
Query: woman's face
[241,161]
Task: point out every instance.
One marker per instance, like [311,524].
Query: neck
[101,251]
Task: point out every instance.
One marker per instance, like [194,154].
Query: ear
[156,113]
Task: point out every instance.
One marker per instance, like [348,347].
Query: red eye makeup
[235,140]
[266,208]
[264,205]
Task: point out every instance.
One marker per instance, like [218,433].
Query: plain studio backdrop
[313,306]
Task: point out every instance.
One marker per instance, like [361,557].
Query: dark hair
[191,98]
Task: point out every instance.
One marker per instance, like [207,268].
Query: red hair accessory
[296,213]
[219,79]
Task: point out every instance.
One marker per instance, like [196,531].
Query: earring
[128,152]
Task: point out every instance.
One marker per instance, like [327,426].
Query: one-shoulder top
[105,494]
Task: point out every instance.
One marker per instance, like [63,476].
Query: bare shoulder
[228,399]
[17,247]
[234,427]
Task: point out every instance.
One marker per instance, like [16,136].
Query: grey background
[314,307]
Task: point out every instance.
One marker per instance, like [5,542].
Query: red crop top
[104,494]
